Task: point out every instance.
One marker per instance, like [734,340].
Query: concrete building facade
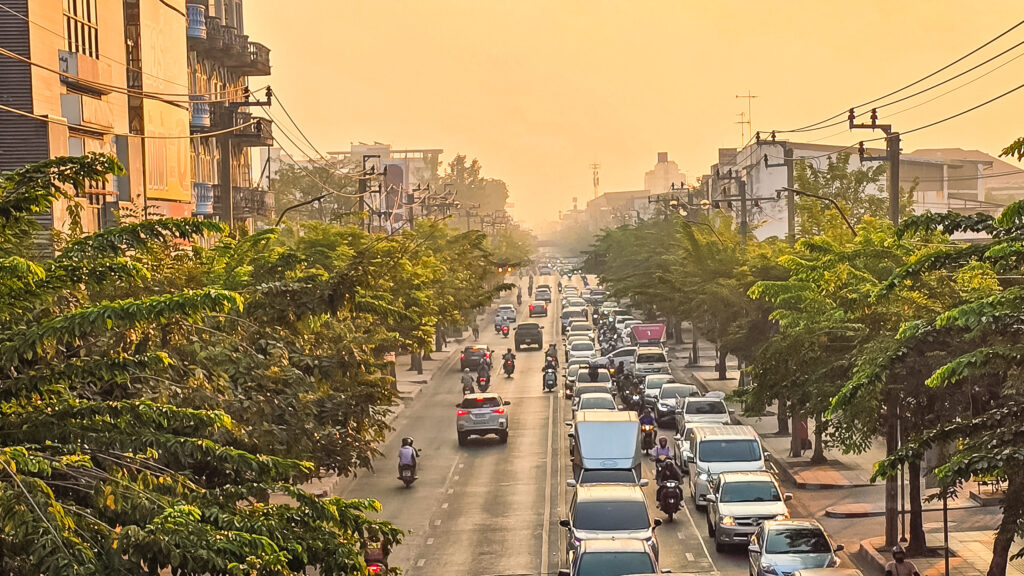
[663,176]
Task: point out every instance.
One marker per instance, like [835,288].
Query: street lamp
[778,195]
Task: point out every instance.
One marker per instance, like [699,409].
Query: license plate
[406,472]
[479,416]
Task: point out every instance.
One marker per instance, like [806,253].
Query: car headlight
[783,516]
[769,569]
[664,407]
[727,521]
[703,476]
[834,562]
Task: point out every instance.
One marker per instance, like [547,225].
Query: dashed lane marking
[445,505]
[431,541]
[689,557]
[421,561]
[456,477]
[451,490]
[437,522]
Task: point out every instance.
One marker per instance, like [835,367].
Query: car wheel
[519,348]
[720,547]
[503,436]
[462,438]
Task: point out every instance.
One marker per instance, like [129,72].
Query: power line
[962,112]
[912,84]
[125,134]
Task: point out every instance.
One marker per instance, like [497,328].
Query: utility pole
[369,173]
[892,416]
[787,163]
[743,122]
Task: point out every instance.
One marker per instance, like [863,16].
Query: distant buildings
[663,176]
[143,80]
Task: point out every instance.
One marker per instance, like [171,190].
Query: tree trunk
[819,446]
[1013,508]
[694,352]
[417,362]
[918,541]
[796,444]
[892,486]
[677,328]
[782,415]
[723,370]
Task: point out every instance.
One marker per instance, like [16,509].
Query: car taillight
[498,410]
[374,569]
[462,357]
[462,412]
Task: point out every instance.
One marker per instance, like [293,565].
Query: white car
[508,312]
[595,401]
[703,409]
[624,355]
[581,349]
[480,415]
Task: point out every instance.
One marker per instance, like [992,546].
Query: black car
[529,334]
[472,355]
[542,294]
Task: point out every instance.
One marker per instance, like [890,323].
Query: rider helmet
[407,441]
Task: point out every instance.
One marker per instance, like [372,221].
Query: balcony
[229,47]
[202,195]
[261,133]
[253,202]
[196,21]
[257,61]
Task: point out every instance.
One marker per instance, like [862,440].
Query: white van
[717,449]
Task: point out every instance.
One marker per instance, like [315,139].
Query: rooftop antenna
[596,168]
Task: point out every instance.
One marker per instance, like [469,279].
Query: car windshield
[749,492]
[601,402]
[712,450]
[480,402]
[797,541]
[529,327]
[607,477]
[671,392]
[580,328]
[650,358]
[614,564]
[706,407]
[582,346]
[592,389]
[574,370]
[611,516]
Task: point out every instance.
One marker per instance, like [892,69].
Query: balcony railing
[260,133]
[200,111]
[202,195]
[253,202]
[258,63]
[196,21]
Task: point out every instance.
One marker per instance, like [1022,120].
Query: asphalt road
[493,509]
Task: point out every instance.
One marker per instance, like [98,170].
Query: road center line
[547,490]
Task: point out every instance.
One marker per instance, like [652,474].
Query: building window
[80,27]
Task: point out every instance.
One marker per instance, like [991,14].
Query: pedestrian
[900,566]
[476,331]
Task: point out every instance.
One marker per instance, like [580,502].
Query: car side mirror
[840,548]
[657,522]
[571,434]
[508,402]
[564,523]
[767,454]
[644,482]
[568,423]
[458,405]
[688,456]
[564,572]
[787,496]
[570,483]
[677,437]
[754,548]
[711,498]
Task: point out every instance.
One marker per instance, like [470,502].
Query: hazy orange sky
[538,90]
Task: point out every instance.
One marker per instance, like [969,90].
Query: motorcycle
[670,498]
[497,328]
[483,383]
[407,474]
[509,367]
[519,299]
[647,430]
[504,331]
[550,380]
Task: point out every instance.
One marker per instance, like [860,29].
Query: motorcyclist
[509,356]
[593,372]
[484,372]
[375,548]
[899,565]
[552,353]
[669,472]
[550,364]
[407,455]
[498,321]
[467,379]
[662,450]
[519,297]
[647,419]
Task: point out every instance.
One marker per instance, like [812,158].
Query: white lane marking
[451,490]
[461,465]
[699,539]
[679,535]
[456,477]
[437,522]
[431,541]
[445,505]
[689,557]
[421,561]
[547,492]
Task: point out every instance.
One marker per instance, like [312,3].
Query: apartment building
[221,61]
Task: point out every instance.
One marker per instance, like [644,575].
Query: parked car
[711,410]
[611,558]
[480,415]
[529,334]
[538,308]
[781,547]
[472,355]
[739,502]
[603,511]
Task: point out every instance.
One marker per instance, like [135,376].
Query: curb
[832,513]
[869,560]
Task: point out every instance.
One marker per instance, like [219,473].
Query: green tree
[294,184]
[472,188]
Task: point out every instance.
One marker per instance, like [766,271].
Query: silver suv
[602,511]
[740,502]
[480,415]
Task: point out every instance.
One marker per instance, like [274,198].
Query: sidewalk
[970,555]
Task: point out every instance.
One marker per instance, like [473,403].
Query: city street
[489,508]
